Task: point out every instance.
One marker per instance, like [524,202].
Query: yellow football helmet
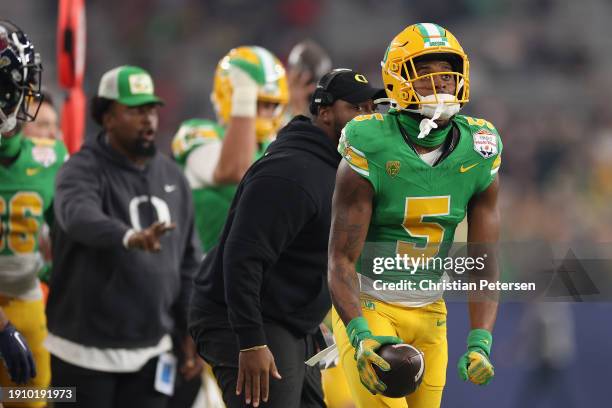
[269,74]
[420,40]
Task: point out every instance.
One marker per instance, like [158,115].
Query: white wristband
[244,102]
[127,236]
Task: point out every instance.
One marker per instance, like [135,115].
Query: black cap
[344,84]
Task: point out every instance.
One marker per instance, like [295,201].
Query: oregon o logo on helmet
[361,78]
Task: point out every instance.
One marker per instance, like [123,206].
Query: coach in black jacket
[262,291]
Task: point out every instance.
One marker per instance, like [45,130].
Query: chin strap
[427,124]
[390,101]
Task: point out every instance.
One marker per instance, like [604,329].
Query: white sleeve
[201,164]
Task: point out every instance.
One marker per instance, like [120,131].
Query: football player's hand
[16,354]
[254,369]
[475,364]
[148,239]
[241,77]
[366,345]
[244,90]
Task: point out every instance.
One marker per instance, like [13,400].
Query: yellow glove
[475,364]
[365,353]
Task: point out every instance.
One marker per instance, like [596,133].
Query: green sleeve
[493,164]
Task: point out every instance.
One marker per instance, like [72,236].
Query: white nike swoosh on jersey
[168,188]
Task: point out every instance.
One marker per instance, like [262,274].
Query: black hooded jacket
[102,294]
[271,260]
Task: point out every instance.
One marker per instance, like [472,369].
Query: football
[407,369]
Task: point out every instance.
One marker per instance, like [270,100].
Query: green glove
[475,364]
[365,353]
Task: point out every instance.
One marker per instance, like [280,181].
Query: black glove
[16,354]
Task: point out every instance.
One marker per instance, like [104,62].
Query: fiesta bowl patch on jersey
[485,143]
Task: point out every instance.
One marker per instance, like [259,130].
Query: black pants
[97,389]
[300,386]
[185,392]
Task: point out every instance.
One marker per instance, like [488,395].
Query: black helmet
[20,72]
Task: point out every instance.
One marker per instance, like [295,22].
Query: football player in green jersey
[27,172]
[407,179]
[250,93]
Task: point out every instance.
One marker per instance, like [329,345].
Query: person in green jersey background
[250,94]
[27,174]
[407,179]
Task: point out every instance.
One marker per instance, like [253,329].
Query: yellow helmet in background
[424,40]
[271,78]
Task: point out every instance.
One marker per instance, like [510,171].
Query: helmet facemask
[265,128]
[405,73]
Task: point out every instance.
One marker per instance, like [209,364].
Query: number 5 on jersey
[426,235]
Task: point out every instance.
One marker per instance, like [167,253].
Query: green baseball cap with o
[128,85]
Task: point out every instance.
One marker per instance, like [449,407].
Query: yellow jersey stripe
[496,163]
[355,159]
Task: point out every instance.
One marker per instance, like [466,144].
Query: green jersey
[26,197]
[416,206]
[211,203]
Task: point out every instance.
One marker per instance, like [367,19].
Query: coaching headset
[321,97]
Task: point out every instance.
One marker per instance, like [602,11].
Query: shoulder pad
[367,132]
[193,133]
[483,134]
[475,123]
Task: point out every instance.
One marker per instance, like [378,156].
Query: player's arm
[240,142]
[483,234]
[351,214]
